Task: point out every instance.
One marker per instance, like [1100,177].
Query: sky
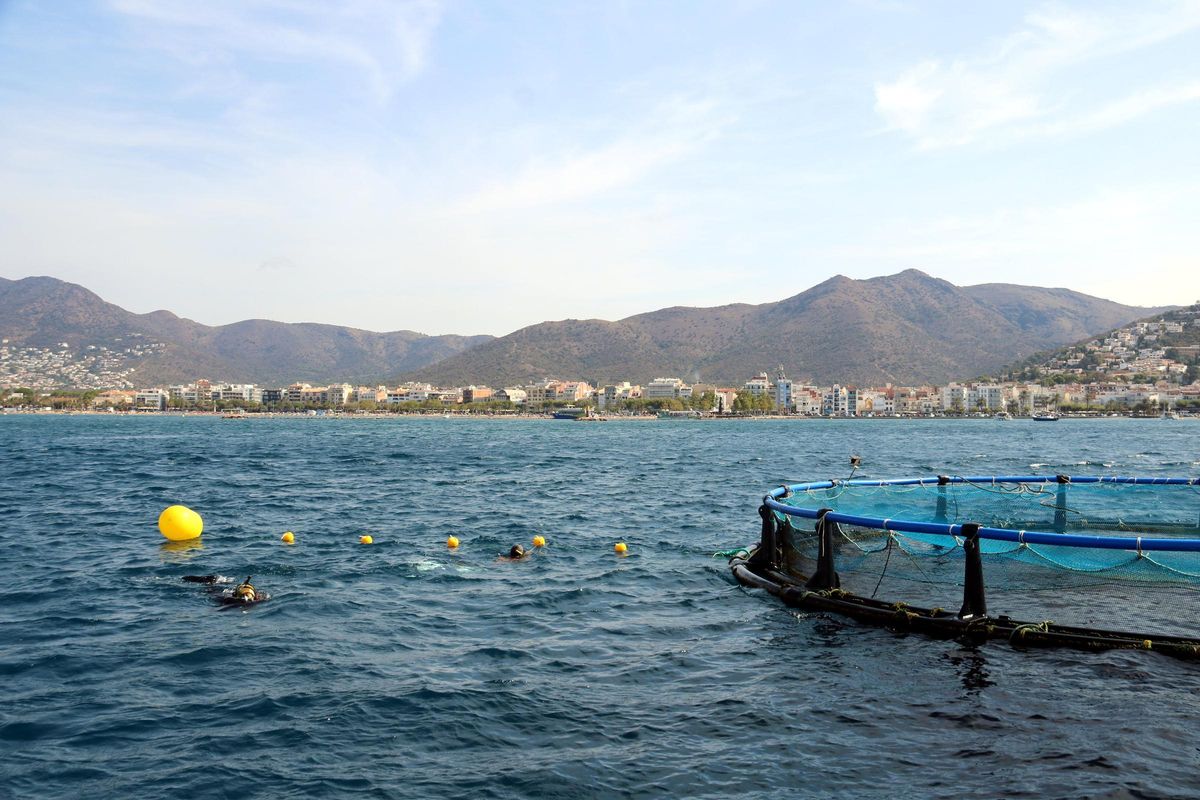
[475,167]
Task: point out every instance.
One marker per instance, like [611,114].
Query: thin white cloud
[1007,92]
[676,130]
[388,43]
[1127,108]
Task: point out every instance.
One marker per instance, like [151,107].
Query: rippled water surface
[404,670]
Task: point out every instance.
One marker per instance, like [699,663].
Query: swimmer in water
[244,594]
[516,553]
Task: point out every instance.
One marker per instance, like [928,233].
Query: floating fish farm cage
[1085,562]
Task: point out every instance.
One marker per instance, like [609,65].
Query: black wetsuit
[219,594]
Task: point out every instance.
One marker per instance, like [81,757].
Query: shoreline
[527,416]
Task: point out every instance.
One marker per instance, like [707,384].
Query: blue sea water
[404,670]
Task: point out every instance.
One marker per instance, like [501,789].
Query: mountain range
[907,328]
[904,328]
[42,312]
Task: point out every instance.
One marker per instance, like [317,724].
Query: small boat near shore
[1045,417]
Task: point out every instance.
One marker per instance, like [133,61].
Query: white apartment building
[245,392]
[376,394]
[339,394]
[758,385]
[295,392]
[874,402]
[987,397]
[511,394]
[618,392]
[151,400]
[666,389]
[955,398]
[840,401]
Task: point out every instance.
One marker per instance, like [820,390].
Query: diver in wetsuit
[244,594]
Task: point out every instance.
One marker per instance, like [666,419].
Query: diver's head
[244,591]
[516,552]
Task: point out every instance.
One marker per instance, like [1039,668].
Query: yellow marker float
[620,548]
[539,541]
[366,539]
[288,538]
[180,523]
[452,542]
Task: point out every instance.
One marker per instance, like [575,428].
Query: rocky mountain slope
[160,347]
[905,328]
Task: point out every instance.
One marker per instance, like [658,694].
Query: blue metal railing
[1133,543]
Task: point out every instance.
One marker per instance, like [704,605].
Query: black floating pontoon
[1092,563]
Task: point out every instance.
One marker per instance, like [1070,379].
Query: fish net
[1110,554]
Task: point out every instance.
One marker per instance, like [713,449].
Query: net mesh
[1115,589]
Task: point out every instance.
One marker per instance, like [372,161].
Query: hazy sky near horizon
[474,167]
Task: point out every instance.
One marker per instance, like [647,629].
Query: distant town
[1131,370]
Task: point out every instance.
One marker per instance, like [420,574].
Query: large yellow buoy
[452,542]
[366,539]
[539,541]
[288,538]
[620,548]
[180,523]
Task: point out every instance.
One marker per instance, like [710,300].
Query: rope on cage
[729,553]
[1019,632]
[914,561]
[883,572]
[998,490]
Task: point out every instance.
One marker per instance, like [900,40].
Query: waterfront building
[783,393]
[115,398]
[840,401]
[575,391]
[377,394]
[667,389]
[955,398]
[476,394]
[243,392]
[758,385]
[536,394]
[511,394]
[151,400]
[875,402]
[314,395]
[807,400]
[615,393]
[339,394]
[295,392]
[987,397]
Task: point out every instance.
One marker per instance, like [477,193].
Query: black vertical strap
[767,554]
[940,515]
[1060,504]
[974,600]
[826,576]
[784,539]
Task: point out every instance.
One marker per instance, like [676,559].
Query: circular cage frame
[1140,544]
